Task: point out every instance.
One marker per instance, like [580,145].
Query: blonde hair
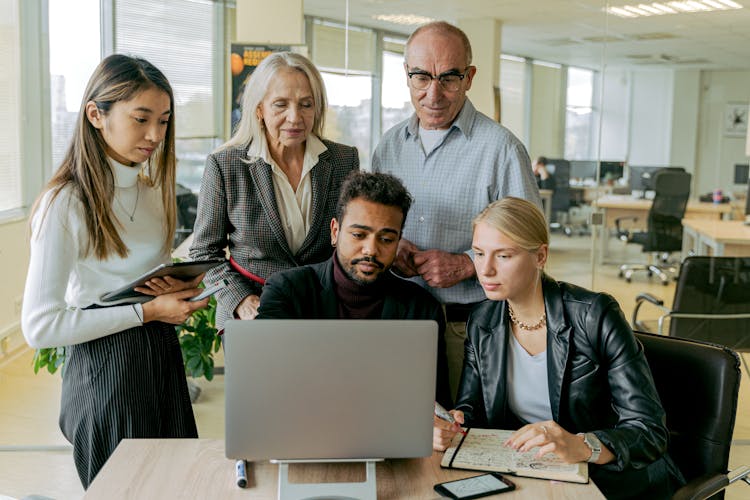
[86,169]
[249,127]
[441,28]
[518,219]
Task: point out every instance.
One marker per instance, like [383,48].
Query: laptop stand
[365,490]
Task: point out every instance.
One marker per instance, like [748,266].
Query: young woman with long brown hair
[106,217]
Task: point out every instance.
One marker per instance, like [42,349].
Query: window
[345,58]
[10,125]
[73,54]
[183,38]
[395,96]
[349,113]
[579,114]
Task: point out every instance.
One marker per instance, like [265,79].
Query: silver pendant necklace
[131,215]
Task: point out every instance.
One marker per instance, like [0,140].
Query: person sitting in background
[269,193]
[356,282]
[559,363]
[544,179]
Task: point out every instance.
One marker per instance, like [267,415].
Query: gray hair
[441,28]
[256,88]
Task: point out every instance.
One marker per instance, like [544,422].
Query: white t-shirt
[430,139]
[528,391]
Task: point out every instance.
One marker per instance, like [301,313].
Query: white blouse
[295,207]
[62,281]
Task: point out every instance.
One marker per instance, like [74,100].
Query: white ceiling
[570,31]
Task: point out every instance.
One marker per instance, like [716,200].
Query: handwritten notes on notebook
[482,449]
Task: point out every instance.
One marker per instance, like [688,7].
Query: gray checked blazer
[237,210]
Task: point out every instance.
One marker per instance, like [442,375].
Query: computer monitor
[329,389]
[611,170]
[741,173]
[642,178]
[582,169]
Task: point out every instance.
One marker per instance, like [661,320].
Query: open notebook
[482,449]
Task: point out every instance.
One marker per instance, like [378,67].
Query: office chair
[187,210]
[698,384]
[562,197]
[711,303]
[664,226]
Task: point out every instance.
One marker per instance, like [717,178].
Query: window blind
[10,125]
[178,37]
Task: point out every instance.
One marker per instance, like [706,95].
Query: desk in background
[725,238]
[615,206]
[197,468]
[586,194]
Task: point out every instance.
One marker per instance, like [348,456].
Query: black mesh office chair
[711,303]
[698,384]
[562,197]
[187,210]
[664,226]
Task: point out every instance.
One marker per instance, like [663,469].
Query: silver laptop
[329,389]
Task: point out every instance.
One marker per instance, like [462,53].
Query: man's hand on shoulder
[442,269]
[404,263]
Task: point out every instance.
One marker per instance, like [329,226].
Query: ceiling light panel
[674,7]
[403,19]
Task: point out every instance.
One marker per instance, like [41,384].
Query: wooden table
[614,206]
[730,238]
[197,468]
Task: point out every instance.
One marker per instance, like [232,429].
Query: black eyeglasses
[450,80]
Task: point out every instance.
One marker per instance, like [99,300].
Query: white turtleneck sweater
[62,281]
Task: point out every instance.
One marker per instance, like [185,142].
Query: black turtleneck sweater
[356,301]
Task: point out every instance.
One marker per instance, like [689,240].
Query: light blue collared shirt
[479,161]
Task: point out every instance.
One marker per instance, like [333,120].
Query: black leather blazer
[597,374]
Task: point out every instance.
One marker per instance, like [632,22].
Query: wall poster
[244,58]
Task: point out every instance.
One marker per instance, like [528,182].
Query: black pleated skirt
[127,385]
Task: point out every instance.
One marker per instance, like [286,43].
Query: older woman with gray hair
[269,193]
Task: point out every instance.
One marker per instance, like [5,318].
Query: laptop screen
[329,389]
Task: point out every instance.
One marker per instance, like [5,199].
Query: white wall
[14,260]
[651,117]
[615,115]
[685,116]
[278,22]
[717,152]
[546,112]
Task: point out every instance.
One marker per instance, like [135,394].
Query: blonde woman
[106,217]
[270,192]
[557,362]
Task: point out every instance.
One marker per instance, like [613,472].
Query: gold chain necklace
[524,326]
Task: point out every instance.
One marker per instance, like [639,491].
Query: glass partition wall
[599,86]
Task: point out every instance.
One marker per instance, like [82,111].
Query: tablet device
[180,270]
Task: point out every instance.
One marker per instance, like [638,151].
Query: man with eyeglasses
[455,161]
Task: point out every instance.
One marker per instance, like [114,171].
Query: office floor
[36,459]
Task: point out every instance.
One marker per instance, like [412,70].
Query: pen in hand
[443,414]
